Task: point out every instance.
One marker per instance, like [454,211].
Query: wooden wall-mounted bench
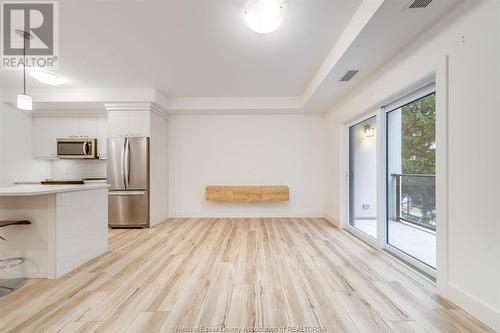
[247,193]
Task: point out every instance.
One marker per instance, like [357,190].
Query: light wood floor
[235,273]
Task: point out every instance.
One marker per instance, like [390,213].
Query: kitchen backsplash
[63,169]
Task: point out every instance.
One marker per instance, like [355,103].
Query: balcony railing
[415,199]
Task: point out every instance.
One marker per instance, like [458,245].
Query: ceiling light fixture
[47,77]
[24,102]
[264,16]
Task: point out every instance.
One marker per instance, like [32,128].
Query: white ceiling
[392,27]
[193,48]
[199,56]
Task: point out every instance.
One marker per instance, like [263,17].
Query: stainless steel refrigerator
[128,177]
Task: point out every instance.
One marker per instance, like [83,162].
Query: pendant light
[24,101]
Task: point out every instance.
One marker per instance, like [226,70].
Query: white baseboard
[476,308]
[330,218]
[176,215]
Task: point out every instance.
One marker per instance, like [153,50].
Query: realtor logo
[40,21]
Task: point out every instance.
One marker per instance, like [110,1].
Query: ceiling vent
[419,3]
[348,76]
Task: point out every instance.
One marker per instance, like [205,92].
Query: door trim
[426,90]
[431,85]
[345,169]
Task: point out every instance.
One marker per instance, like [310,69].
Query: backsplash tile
[63,169]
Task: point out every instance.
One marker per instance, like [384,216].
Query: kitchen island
[69,226]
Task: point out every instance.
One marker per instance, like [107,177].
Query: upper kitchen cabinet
[78,127]
[102,137]
[68,127]
[128,123]
[87,127]
[49,128]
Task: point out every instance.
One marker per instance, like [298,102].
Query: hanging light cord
[24,65]
[25,36]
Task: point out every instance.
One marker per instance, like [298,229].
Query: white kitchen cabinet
[87,127]
[78,127]
[68,127]
[138,123]
[102,136]
[47,130]
[128,123]
[118,123]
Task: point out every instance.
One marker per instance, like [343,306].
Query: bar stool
[9,285]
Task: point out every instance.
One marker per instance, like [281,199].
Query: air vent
[348,76]
[419,3]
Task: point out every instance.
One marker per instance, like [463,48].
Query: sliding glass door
[392,178]
[411,183]
[363,177]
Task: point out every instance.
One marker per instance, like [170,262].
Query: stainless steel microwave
[76,148]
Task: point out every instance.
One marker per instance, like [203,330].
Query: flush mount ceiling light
[24,102]
[47,77]
[264,16]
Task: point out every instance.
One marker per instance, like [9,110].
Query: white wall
[16,148]
[246,150]
[471,277]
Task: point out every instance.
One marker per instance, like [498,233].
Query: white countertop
[38,189]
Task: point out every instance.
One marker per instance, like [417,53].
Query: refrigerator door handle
[127,165]
[122,162]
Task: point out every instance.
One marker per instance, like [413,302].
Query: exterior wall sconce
[369,131]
